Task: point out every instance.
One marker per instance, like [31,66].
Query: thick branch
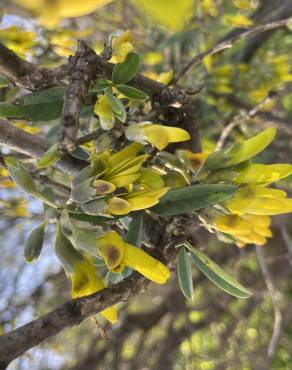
[80,80]
[72,313]
[34,146]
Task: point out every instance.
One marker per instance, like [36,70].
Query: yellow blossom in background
[5,181]
[193,160]
[153,57]
[209,6]
[26,127]
[85,282]
[122,45]
[51,12]
[239,20]
[164,77]
[168,13]
[158,135]
[18,40]
[118,254]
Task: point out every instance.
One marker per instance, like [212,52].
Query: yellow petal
[270,193]
[118,206]
[148,266]
[145,198]
[157,136]
[253,238]
[76,8]
[124,155]
[168,13]
[103,187]
[85,282]
[111,248]
[123,181]
[130,167]
[103,108]
[232,224]
[176,134]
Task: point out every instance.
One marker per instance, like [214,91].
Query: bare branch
[35,146]
[72,313]
[275,302]
[227,44]
[83,66]
[240,119]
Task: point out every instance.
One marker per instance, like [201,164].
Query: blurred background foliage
[159,329]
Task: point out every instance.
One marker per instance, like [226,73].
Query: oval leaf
[192,198]
[117,106]
[131,92]
[51,156]
[185,273]
[218,276]
[134,235]
[34,243]
[124,72]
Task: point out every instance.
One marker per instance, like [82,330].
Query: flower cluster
[246,215]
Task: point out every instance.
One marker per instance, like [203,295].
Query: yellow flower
[117,170]
[158,135]
[135,201]
[103,108]
[118,254]
[246,229]
[121,46]
[164,77]
[249,173]
[85,282]
[259,201]
[81,271]
[51,12]
[5,181]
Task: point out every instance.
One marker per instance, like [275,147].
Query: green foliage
[124,72]
[184,271]
[34,243]
[193,198]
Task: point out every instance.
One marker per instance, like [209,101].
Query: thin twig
[239,119]
[227,44]
[275,302]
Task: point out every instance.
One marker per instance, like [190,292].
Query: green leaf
[215,273]
[65,251]
[100,86]
[24,181]
[117,106]
[83,191]
[45,105]
[131,92]
[134,235]
[85,239]
[124,72]
[185,273]
[51,156]
[192,198]
[34,243]
[95,207]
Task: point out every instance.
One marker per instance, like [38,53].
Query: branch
[80,80]
[240,119]
[28,75]
[35,146]
[275,302]
[220,46]
[72,313]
